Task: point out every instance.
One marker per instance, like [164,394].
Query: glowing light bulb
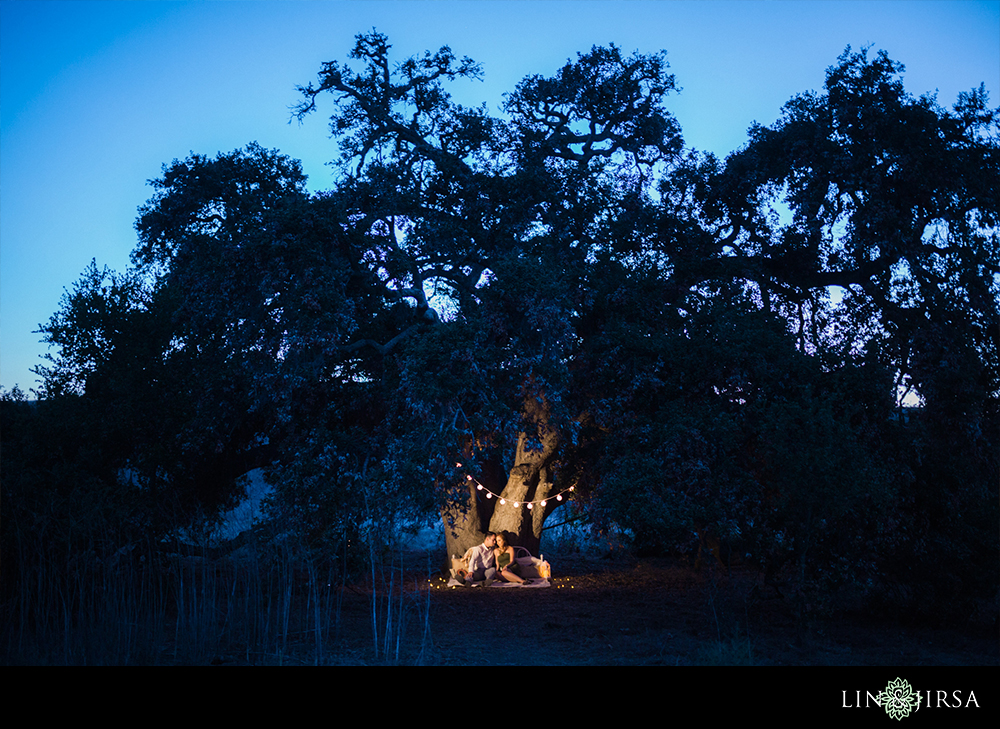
[479,487]
[543,503]
[529,506]
[458,465]
[559,497]
[516,504]
[503,501]
[489,495]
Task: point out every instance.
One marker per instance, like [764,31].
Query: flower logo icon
[899,699]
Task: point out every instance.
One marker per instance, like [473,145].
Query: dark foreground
[655,612]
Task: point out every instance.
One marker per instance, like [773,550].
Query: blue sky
[95,97]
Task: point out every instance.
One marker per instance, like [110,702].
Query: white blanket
[535,582]
[529,570]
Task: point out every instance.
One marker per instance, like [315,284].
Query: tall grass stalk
[736,648]
[100,600]
[394,610]
[101,603]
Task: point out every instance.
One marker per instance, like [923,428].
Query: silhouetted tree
[566,298]
[496,223]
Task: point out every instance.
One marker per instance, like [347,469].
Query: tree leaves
[566,297]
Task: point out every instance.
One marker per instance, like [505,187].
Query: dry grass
[270,606]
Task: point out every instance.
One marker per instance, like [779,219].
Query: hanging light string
[517,504]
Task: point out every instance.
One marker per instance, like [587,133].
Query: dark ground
[646,612]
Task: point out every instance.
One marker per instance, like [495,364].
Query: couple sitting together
[492,560]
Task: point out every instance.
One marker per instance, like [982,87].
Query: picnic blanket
[532,568]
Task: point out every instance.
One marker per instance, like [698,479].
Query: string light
[517,504]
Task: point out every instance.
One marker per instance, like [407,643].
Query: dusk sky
[95,97]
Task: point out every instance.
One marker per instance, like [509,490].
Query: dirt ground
[629,612]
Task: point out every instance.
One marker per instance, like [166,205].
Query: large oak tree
[561,297]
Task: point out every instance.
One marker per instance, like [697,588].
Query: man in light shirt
[480,562]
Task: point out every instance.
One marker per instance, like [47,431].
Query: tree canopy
[565,301]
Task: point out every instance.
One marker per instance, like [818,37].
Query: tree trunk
[527,482]
[464,529]
[467,528]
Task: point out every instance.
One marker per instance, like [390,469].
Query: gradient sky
[95,97]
